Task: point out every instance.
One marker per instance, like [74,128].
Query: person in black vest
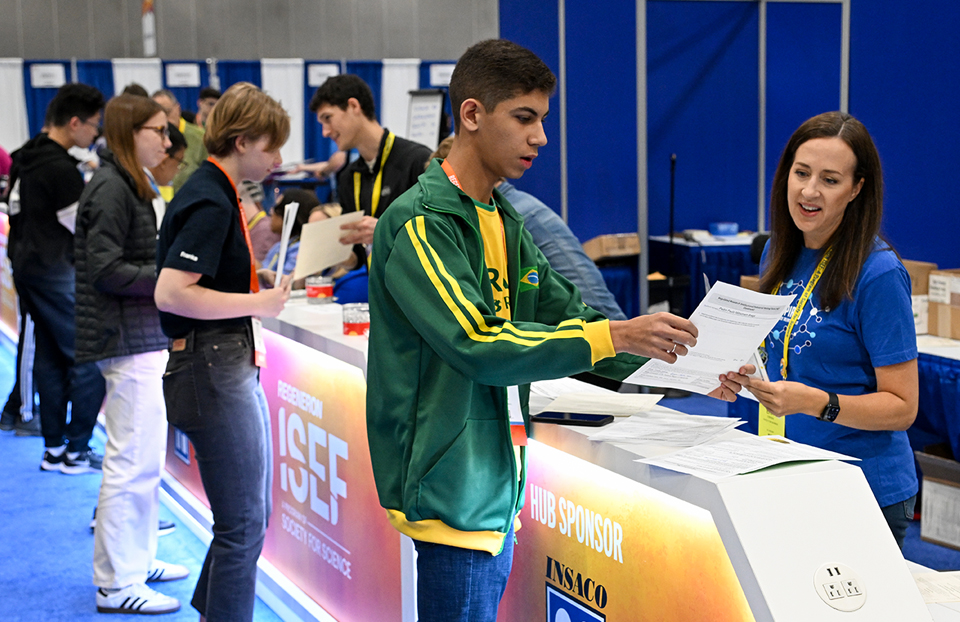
[118,328]
[388,164]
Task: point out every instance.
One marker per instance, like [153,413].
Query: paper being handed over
[732,322]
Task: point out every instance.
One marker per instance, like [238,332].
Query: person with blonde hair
[118,328]
[209,299]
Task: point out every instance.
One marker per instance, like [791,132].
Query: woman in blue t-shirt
[842,361]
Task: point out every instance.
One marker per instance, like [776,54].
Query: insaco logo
[562,607]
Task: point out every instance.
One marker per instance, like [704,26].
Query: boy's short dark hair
[495,70]
[209,92]
[337,90]
[74,100]
[177,140]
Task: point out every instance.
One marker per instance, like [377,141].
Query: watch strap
[832,410]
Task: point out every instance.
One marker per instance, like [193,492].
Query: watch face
[830,413]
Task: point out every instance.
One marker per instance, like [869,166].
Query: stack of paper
[674,430]
[567,395]
[743,455]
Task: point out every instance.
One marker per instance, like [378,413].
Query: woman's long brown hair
[124,116]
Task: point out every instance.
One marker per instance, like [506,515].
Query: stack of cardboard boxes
[919,283]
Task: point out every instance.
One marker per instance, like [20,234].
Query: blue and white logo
[562,608]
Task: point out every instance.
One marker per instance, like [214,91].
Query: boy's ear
[353,105]
[470,112]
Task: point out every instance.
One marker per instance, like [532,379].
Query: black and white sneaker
[136,598]
[163,571]
[166,527]
[76,463]
[52,462]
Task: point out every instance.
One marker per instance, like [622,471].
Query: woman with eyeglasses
[118,327]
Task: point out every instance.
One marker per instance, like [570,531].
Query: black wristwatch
[832,409]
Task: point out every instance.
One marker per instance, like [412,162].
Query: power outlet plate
[840,587]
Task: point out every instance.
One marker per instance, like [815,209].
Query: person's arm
[179,292]
[106,217]
[892,407]
[431,279]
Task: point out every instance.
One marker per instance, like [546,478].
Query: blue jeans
[899,516]
[461,585]
[58,379]
[213,394]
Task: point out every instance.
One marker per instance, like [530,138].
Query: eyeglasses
[163,130]
[179,161]
[96,126]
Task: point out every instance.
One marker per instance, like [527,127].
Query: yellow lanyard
[807,292]
[378,183]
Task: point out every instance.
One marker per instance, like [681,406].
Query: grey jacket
[115,252]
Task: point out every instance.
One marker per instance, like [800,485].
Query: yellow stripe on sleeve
[518,336]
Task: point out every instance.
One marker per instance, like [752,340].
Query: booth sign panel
[597,546]
[327,533]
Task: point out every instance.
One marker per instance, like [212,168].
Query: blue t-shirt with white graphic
[837,350]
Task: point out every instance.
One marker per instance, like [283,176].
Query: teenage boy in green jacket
[465,312]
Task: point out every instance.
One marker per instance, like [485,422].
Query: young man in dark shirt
[41,252]
[388,164]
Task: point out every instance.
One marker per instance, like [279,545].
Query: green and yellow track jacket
[440,362]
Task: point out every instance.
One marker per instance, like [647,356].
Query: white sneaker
[162,571]
[136,598]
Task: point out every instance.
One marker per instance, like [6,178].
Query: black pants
[57,379]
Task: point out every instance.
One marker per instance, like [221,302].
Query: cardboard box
[919,272]
[944,303]
[751,282]
[940,508]
[612,245]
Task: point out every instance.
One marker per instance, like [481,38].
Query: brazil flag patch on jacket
[529,280]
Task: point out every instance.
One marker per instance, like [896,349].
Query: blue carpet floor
[46,548]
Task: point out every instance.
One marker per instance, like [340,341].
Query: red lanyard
[452,176]
[254,281]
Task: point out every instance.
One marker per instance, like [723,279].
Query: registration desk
[603,537]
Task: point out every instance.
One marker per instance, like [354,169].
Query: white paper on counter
[939,587]
[732,323]
[568,395]
[677,431]
[320,245]
[743,455]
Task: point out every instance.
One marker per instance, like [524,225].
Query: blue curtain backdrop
[39,98]
[232,71]
[187,96]
[803,76]
[98,73]
[371,71]
[702,105]
[516,17]
[425,84]
[315,146]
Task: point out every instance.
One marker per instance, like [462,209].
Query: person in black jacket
[118,328]
[388,164]
[41,252]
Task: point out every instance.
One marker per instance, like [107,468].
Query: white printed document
[664,429]
[939,587]
[320,245]
[289,217]
[732,323]
[743,455]
[569,395]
